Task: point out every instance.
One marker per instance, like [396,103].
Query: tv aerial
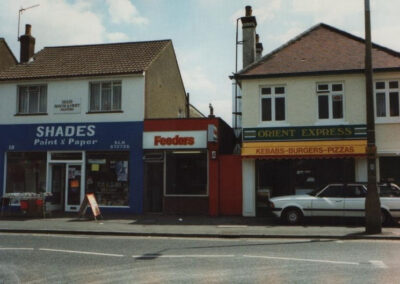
[20,13]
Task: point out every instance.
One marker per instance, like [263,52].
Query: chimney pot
[28,28]
[249,11]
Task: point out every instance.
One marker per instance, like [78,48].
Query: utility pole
[373,224]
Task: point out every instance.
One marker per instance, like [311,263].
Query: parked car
[338,200]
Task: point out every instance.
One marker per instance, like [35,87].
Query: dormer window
[105,96]
[32,99]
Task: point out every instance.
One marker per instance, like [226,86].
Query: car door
[390,198]
[329,202]
[354,203]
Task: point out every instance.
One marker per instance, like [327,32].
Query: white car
[339,200]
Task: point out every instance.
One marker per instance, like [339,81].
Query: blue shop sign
[72,136]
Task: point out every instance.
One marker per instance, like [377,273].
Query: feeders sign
[175,140]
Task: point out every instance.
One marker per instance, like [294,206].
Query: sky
[202,31]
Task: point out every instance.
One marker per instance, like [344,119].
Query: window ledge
[273,124]
[331,122]
[387,120]
[105,111]
[31,114]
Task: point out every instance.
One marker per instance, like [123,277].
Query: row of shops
[166,166]
[176,165]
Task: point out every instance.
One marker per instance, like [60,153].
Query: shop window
[305,176]
[32,99]
[390,169]
[26,172]
[105,96]
[186,173]
[387,99]
[107,176]
[301,176]
[330,100]
[273,103]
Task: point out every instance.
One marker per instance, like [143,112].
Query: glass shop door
[73,187]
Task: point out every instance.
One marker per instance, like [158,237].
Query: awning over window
[304,149]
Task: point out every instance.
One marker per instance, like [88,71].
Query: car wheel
[386,218]
[292,216]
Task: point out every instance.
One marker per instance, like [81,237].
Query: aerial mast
[20,13]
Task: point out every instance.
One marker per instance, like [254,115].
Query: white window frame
[40,86]
[112,82]
[273,97]
[387,118]
[330,93]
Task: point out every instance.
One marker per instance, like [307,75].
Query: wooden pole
[373,224]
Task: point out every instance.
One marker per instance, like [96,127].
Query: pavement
[194,226]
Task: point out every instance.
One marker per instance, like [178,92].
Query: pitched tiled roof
[7,58]
[321,49]
[88,60]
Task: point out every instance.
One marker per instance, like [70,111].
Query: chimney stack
[259,48]
[249,25]
[27,45]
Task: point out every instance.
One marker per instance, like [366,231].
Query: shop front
[65,161]
[182,159]
[297,160]
[176,176]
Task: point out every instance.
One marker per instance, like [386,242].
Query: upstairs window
[32,99]
[387,98]
[273,103]
[330,100]
[105,96]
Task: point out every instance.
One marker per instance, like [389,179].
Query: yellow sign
[95,167]
[305,148]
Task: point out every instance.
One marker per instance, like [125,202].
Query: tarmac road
[32,258]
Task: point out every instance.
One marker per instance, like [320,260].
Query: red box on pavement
[24,205]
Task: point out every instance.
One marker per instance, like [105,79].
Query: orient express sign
[309,141]
[337,132]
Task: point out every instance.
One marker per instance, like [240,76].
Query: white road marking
[82,252]
[183,256]
[232,226]
[378,263]
[62,236]
[16,248]
[302,259]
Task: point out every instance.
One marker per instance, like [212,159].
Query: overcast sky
[202,31]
